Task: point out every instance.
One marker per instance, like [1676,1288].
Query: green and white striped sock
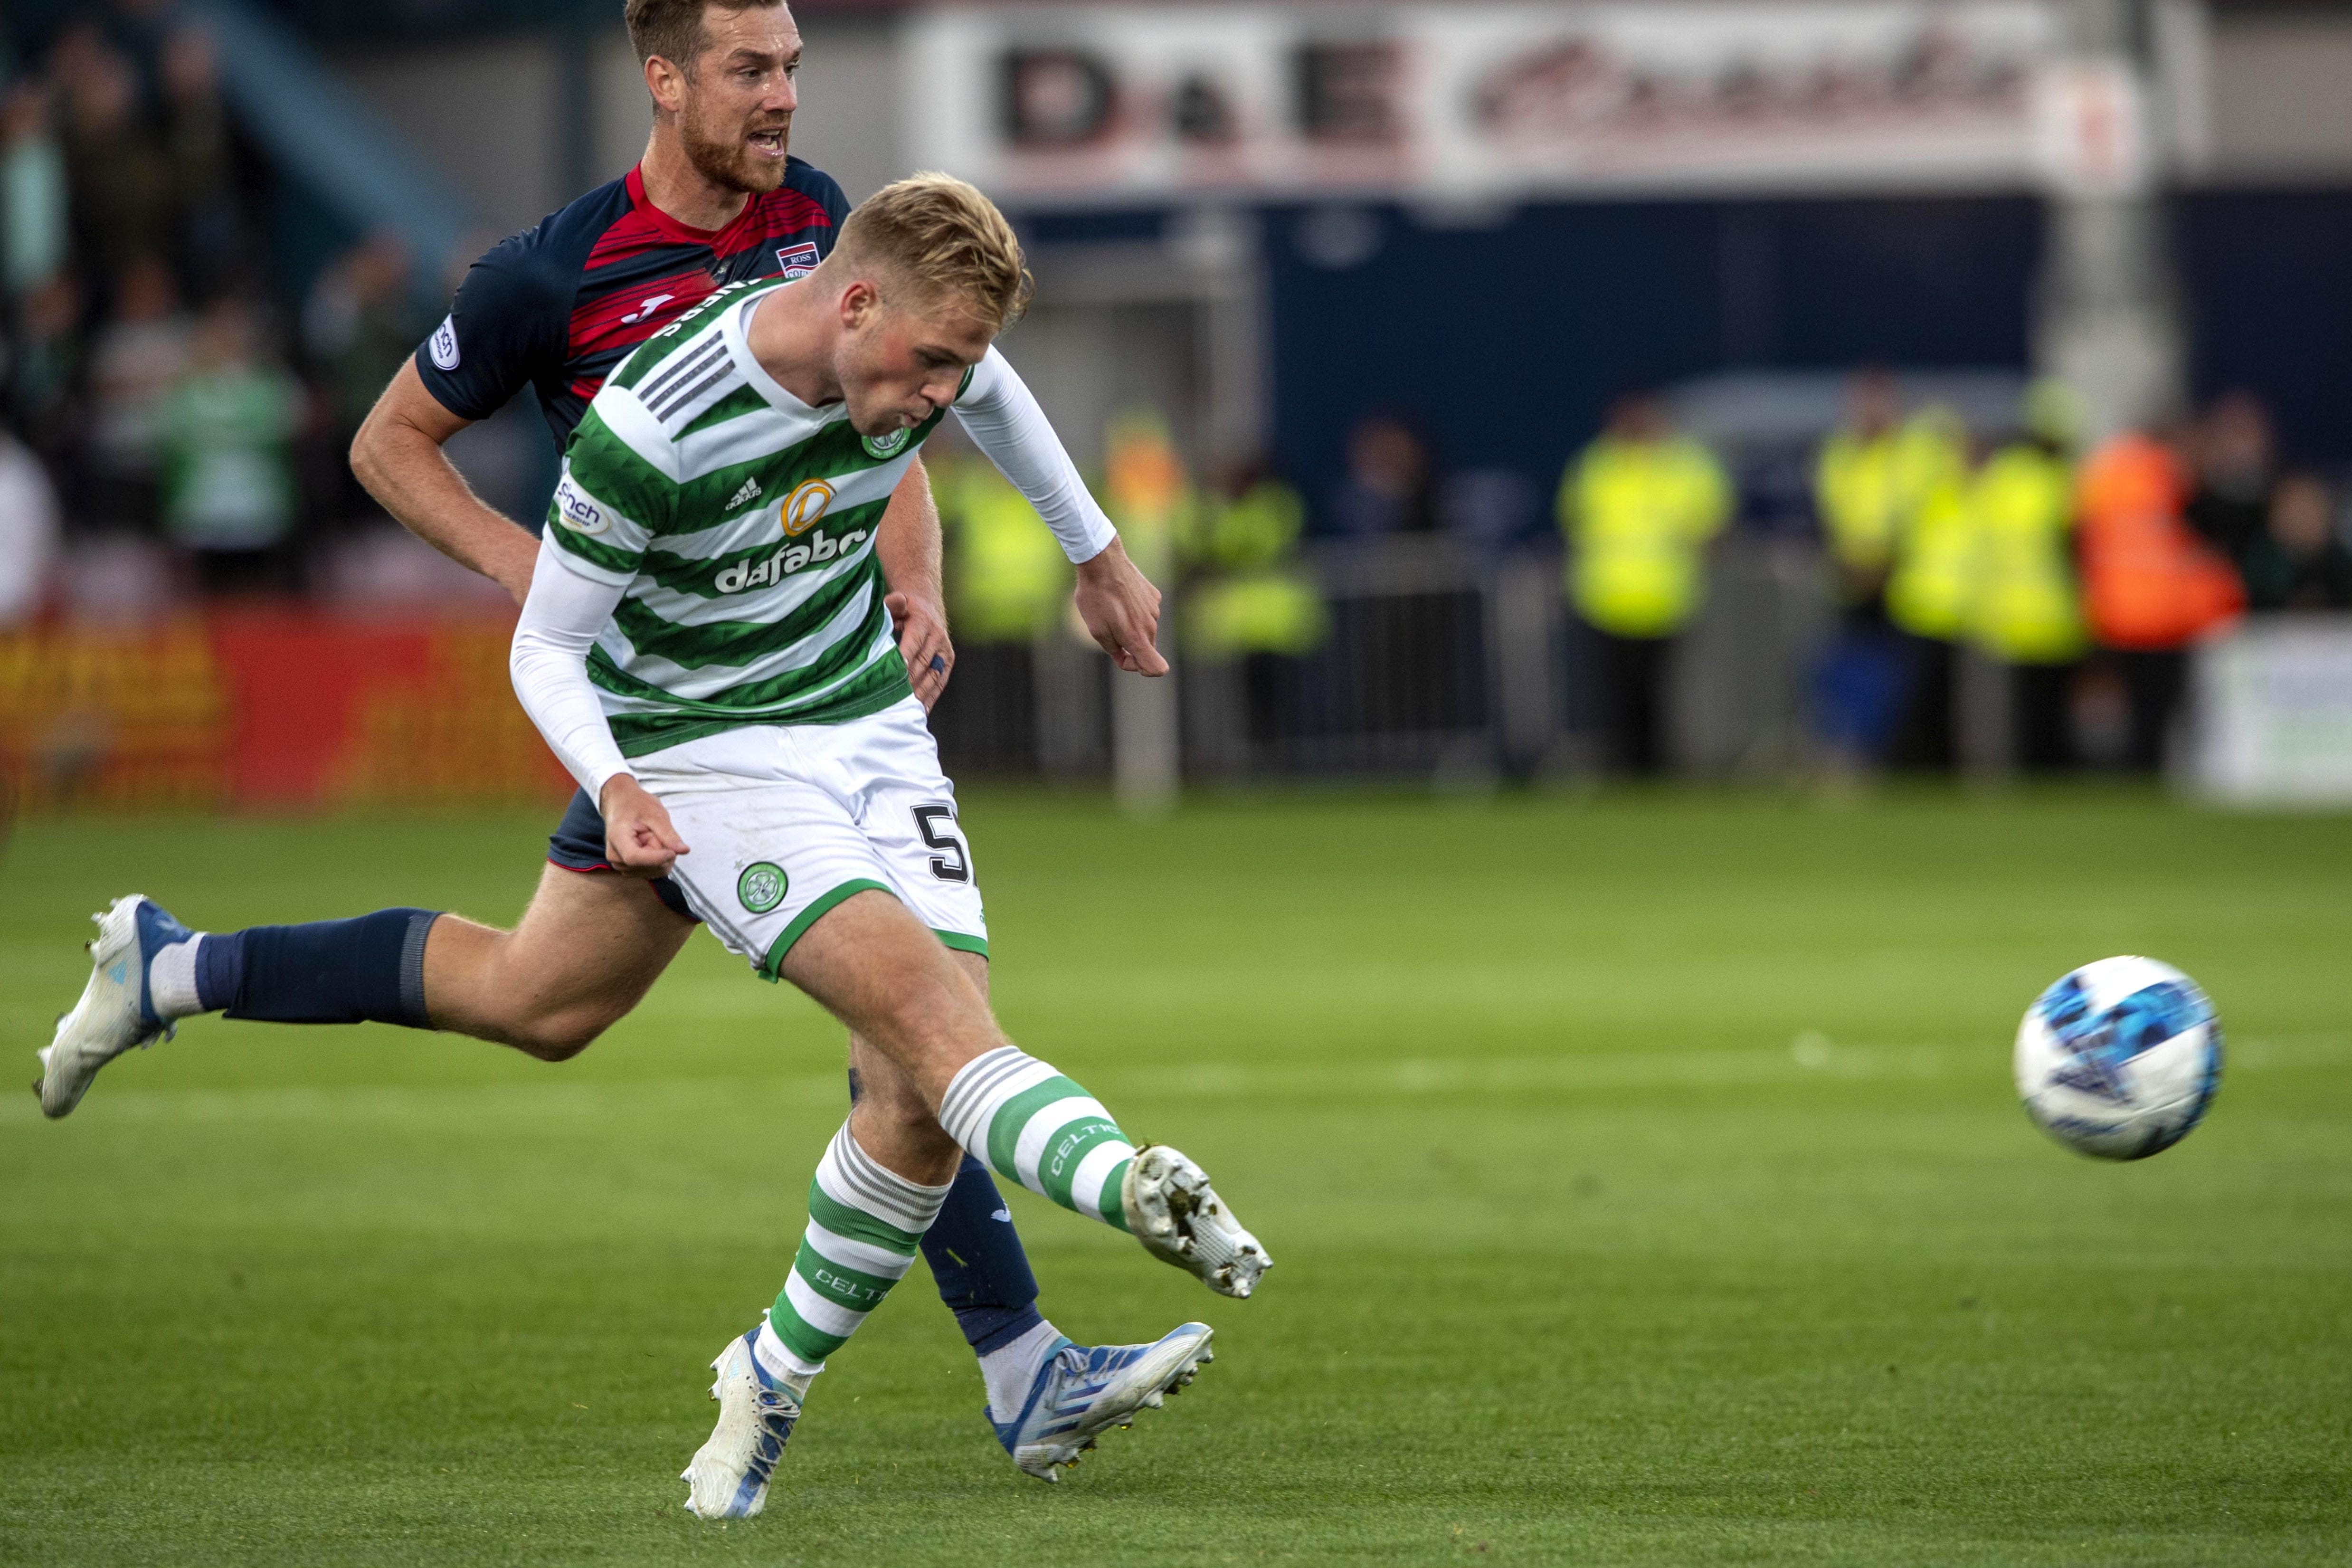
[1029,1124]
[864,1223]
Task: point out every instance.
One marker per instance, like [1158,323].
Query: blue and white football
[2119,1059]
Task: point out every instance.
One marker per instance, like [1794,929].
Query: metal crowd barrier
[1442,665]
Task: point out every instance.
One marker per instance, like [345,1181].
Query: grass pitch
[1642,1174]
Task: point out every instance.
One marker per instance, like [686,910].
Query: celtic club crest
[761,886]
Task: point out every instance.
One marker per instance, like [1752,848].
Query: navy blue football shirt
[556,307]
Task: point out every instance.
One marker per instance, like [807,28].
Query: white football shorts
[784,821]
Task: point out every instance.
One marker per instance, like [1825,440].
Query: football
[2119,1059]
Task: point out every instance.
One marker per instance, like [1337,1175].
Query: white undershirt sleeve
[561,619]
[1004,419]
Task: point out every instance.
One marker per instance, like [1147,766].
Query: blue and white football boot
[115,1012]
[1083,1391]
[727,1478]
[1179,1219]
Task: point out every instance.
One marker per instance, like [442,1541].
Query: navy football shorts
[578,845]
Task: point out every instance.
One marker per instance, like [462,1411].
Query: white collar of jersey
[732,328]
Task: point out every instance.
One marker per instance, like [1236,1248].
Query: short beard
[729,164]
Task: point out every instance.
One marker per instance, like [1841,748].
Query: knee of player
[935,1025]
[899,1103]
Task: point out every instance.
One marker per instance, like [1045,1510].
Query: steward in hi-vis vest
[1928,594]
[1639,507]
[1250,593]
[1638,510]
[1007,579]
[2150,586]
[1872,476]
[2026,604]
[1862,499]
[1928,590]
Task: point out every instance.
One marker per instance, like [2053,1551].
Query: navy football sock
[977,1263]
[977,1259]
[371,969]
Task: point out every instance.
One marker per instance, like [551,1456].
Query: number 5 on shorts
[951,866]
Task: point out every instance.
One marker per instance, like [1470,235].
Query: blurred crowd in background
[2082,576]
[173,422]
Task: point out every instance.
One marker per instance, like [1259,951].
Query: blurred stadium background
[1780,396]
[1507,391]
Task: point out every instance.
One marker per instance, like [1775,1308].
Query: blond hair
[945,239]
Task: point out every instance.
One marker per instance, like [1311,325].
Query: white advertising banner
[1484,101]
[2274,714]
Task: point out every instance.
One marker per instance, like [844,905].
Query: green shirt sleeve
[609,504]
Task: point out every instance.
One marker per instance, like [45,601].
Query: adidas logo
[751,491]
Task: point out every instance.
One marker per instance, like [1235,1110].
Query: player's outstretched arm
[908,548]
[1117,602]
[397,456]
[562,615]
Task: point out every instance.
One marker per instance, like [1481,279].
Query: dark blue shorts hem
[578,845]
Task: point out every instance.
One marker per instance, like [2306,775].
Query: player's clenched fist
[638,839]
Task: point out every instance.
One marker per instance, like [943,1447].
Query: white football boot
[1083,1391]
[727,1478]
[1179,1219]
[115,1012]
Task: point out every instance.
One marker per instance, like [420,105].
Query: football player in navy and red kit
[717,199]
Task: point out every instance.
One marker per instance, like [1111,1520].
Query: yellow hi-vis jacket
[2026,607]
[1253,596]
[1935,551]
[1009,577]
[1861,497]
[1867,489]
[1258,528]
[1638,515]
[1934,572]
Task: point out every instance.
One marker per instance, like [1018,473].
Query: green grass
[1578,1261]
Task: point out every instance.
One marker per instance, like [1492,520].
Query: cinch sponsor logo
[576,512]
[444,343]
[797,260]
[787,560]
[803,506]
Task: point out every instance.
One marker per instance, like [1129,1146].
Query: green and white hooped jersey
[739,523]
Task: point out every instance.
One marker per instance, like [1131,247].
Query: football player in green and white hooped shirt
[706,648]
